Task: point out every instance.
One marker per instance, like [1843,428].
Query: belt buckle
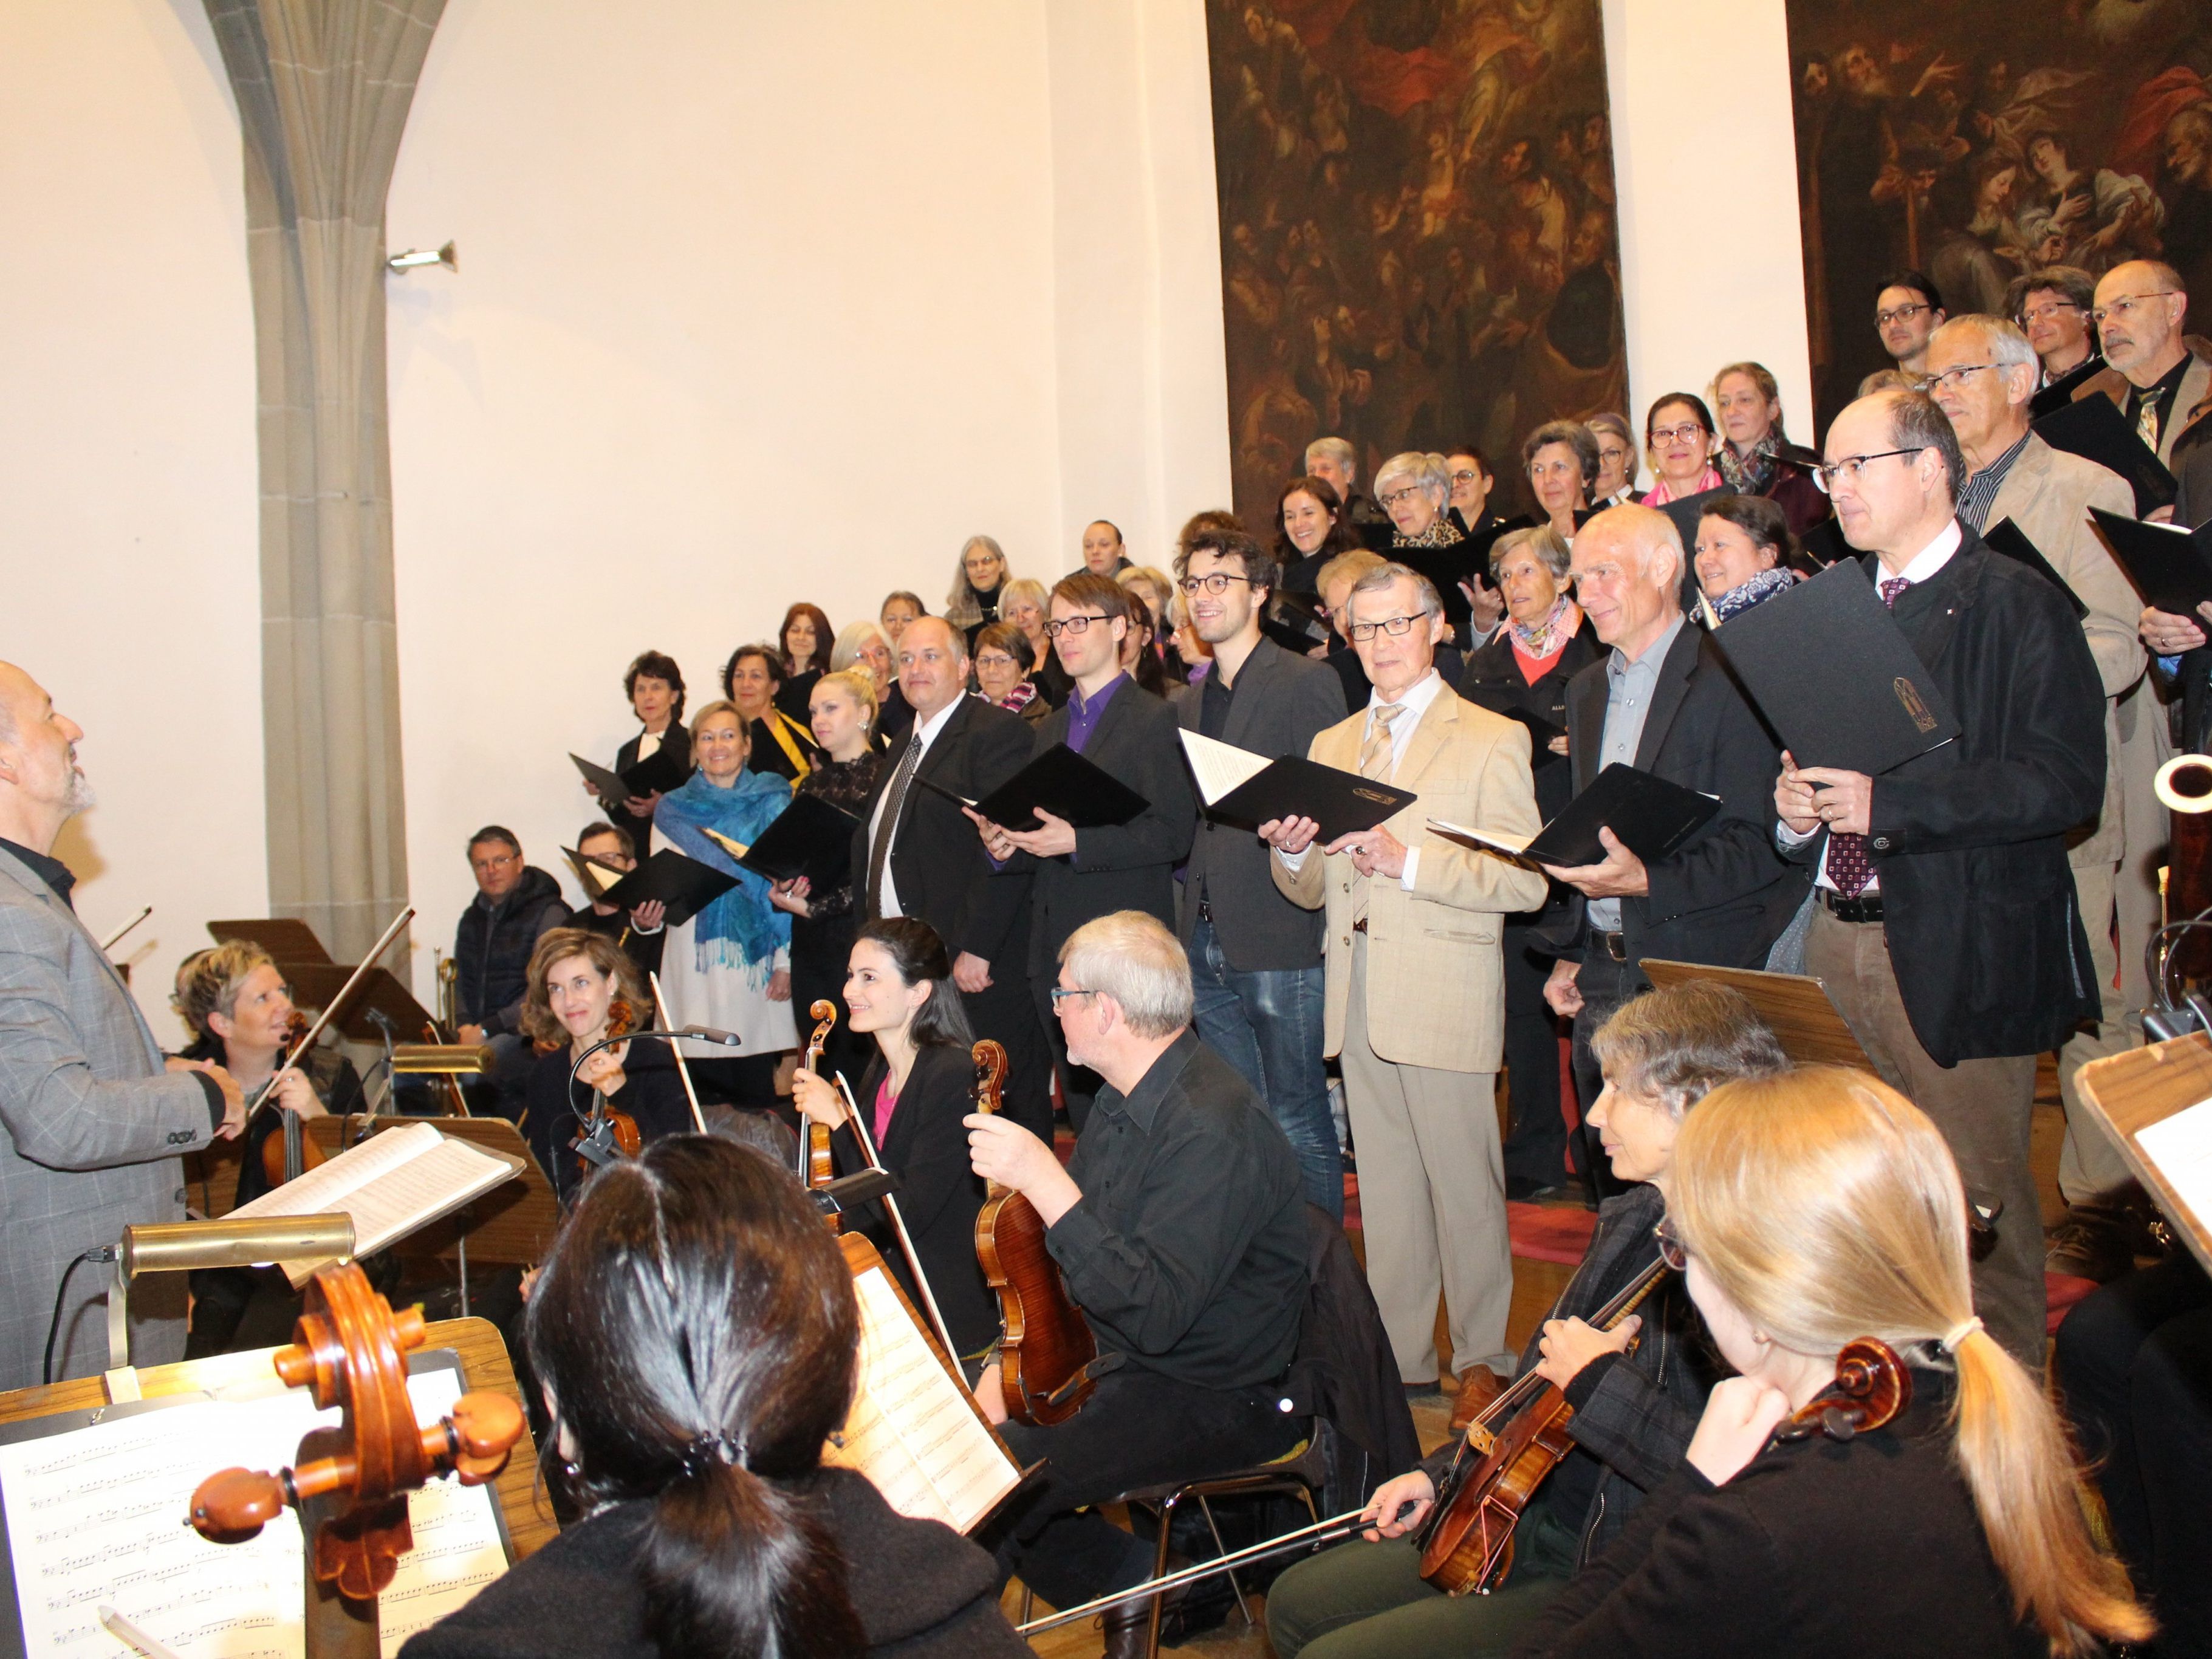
[1616,946]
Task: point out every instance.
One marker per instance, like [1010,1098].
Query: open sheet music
[2180,1147]
[98,1516]
[913,1430]
[391,1185]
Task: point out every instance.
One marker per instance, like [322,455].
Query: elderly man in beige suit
[1416,987]
[1983,372]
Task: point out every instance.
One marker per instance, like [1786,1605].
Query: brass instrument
[449,997]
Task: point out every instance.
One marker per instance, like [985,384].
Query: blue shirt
[1084,716]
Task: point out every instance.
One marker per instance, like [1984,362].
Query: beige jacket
[2048,495]
[1436,992]
[2188,402]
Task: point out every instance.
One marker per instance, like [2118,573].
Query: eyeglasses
[497,861]
[1398,496]
[1060,995]
[1073,625]
[1687,433]
[1470,476]
[1954,377]
[995,660]
[1216,582]
[1899,314]
[1392,626]
[2125,306]
[2044,313]
[1672,1251]
[1849,468]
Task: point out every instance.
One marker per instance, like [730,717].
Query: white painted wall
[128,533]
[1705,159]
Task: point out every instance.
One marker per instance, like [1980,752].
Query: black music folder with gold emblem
[1649,815]
[1240,787]
[1835,676]
[1064,784]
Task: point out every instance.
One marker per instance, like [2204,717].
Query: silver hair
[2000,337]
[1337,451]
[1390,573]
[1427,472]
[850,638]
[1546,543]
[1132,958]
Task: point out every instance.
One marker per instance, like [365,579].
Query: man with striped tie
[1947,932]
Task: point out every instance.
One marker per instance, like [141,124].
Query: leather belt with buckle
[1868,908]
[1616,945]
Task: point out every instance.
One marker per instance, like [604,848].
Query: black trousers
[1536,1144]
[1605,985]
[819,957]
[1078,1085]
[1140,1429]
[1004,1012]
[2134,1362]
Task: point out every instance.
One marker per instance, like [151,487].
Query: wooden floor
[1535,1286]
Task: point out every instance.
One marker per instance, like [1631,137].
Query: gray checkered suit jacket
[91,1131]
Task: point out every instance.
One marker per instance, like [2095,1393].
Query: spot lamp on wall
[412,258]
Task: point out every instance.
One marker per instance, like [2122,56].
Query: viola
[607,1124]
[1871,1387]
[292,1155]
[1046,1354]
[1468,1541]
[821,1169]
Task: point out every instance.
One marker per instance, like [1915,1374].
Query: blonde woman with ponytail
[695,1336]
[1807,1210]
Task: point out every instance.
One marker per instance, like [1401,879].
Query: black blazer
[677,741]
[1758,1568]
[921,1590]
[764,753]
[1281,703]
[1129,866]
[937,860]
[939,1192]
[1725,895]
[1969,841]
[1492,680]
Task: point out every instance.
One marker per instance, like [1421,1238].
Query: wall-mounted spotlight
[411,259]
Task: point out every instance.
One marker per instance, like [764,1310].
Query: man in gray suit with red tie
[92,1120]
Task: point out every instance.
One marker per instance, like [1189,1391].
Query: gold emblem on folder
[1914,708]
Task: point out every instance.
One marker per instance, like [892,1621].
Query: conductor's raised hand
[1001,1150]
[233,1098]
[1291,835]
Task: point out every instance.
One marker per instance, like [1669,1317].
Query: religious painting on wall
[1418,238]
[1982,139]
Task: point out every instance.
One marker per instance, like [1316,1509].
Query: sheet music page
[911,1432]
[1503,840]
[98,1516]
[1219,767]
[325,1190]
[391,1184]
[2181,1147]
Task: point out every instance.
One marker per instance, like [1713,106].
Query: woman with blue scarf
[729,967]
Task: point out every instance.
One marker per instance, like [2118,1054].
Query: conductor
[92,1120]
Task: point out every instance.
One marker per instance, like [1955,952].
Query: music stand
[2129,1092]
[512,1225]
[287,939]
[1795,1007]
[314,983]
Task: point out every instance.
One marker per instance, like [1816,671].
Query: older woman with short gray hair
[1415,490]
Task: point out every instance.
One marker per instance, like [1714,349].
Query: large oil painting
[1419,235]
[1978,140]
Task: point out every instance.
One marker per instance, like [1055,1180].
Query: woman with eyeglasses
[1616,462]
[1415,490]
[1743,555]
[1679,433]
[1751,458]
[1808,1211]
[1001,655]
[1561,461]
[978,586]
[1637,1390]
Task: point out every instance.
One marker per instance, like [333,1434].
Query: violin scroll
[821,1166]
[1872,1386]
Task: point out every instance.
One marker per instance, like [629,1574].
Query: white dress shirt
[887,900]
[1415,702]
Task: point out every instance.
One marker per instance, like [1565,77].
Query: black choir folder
[1835,676]
[2093,428]
[2171,568]
[1241,788]
[2008,539]
[810,838]
[1648,815]
[658,771]
[684,885]
[1064,784]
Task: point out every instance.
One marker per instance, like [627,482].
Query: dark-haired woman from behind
[916,1091]
[695,1334]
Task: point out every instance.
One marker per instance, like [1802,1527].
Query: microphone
[708,1034]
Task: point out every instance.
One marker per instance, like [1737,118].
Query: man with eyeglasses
[1075,875]
[1336,461]
[515,903]
[1255,957]
[2052,306]
[2159,378]
[1416,1003]
[1947,932]
[1906,312]
[1981,374]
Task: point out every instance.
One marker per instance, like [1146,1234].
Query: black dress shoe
[1129,1624]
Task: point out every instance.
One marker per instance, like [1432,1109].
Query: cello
[1048,1353]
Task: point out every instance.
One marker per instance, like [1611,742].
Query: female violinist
[1809,1211]
[899,990]
[1634,1409]
[695,1336]
[578,982]
[234,998]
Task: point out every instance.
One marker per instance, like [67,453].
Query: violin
[607,1125]
[821,1169]
[1047,1351]
[1871,1387]
[291,1156]
[1520,1438]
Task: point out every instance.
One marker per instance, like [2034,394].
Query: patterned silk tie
[2147,424]
[1848,866]
[887,826]
[1374,763]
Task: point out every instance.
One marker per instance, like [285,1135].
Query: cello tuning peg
[233,1506]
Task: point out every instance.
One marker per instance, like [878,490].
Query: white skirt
[730,997]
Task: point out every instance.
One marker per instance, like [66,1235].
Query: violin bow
[306,1045]
[898,1222]
[676,1048]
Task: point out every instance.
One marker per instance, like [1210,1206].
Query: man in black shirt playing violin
[1637,1390]
[1179,1228]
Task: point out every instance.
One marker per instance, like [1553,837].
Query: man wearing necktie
[1947,932]
[1416,983]
[2156,376]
